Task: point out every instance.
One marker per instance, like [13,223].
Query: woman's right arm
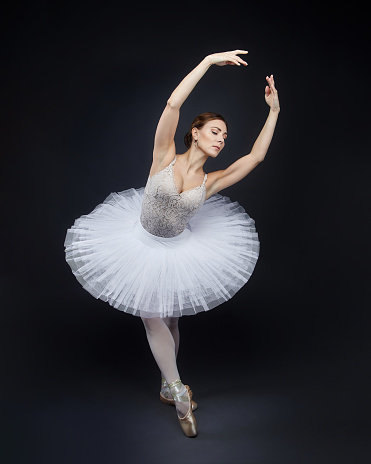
[164,146]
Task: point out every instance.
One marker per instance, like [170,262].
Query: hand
[221,59]
[271,95]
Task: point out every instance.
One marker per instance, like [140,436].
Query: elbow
[258,157]
[173,104]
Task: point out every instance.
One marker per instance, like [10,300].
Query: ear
[195,133]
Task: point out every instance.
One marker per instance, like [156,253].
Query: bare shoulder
[162,159]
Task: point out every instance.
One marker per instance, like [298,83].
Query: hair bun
[188,139]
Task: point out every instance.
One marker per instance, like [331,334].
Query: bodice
[165,212]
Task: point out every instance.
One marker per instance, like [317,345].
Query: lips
[218,148]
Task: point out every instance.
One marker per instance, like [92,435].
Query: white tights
[163,339]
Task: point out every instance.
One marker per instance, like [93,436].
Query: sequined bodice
[165,212]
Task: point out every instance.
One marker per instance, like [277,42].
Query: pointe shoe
[165,396]
[188,422]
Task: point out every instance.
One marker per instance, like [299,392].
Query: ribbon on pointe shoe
[166,397]
[180,394]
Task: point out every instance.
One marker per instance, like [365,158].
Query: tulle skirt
[115,259]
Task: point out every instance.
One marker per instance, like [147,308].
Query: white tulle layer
[115,259]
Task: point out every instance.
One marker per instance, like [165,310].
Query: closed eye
[216,133]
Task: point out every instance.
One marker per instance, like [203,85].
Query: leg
[173,325]
[163,347]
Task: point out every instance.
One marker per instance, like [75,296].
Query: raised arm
[220,180]
[164,146]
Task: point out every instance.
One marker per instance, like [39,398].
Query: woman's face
[211,137]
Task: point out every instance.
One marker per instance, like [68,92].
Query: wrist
[207,61]
[274,112]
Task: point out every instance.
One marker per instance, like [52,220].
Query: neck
[194,159]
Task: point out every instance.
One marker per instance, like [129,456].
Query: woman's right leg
[173,325]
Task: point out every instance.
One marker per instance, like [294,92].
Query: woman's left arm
[239,169]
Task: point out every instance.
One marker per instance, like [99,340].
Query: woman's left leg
[173,326]
[162,346]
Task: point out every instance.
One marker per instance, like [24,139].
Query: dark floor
[281,413]
[274,385]
[257,427]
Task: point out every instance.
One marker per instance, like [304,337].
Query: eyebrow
[219,129]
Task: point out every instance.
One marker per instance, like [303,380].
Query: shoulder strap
[205,178]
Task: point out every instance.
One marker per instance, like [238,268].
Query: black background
[280,371]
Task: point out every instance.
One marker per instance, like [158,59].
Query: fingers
[240,60]
[230,58]
[271,84]
[270,81]
[240,52]
[234,59]
[231,61]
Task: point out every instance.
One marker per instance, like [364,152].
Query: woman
[175,247]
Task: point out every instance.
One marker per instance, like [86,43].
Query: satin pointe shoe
[188,421]
[165,395]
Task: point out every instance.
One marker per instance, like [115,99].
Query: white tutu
[115,259]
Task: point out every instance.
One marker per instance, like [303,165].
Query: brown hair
[199,122]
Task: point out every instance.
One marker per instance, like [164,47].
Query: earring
[196,143]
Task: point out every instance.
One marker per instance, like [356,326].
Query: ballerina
[175,247]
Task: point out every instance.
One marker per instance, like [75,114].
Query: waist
[148,237]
